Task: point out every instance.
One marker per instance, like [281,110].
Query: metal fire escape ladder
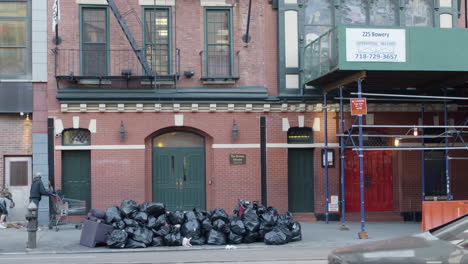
[128,34]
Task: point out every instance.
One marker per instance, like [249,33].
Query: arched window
[300,135]
[178,139]
[76,137]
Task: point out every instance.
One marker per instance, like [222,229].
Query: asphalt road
[244,256]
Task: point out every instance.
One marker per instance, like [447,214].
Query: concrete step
[384,216]
[304,217]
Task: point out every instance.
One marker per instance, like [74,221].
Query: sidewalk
[314,235]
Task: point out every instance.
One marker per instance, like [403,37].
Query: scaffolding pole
[412,148]
[447,163]
[407,126]
[342,164]
[361,163]
[325,117]
[423,158]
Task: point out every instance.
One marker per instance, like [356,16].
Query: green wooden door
[300,180]
[76,176]
[179,177]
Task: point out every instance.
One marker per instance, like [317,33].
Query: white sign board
[375,45]
[333,207]
[334,199]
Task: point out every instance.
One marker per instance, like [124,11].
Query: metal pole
[414,148]
[361,163]
[408,126]
[423,158]
[447,163]
[342,164]
[325,117]
[263,160]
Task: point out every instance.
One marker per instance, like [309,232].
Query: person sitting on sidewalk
[38,190]
[6,203]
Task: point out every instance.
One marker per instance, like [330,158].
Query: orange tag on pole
[358,106]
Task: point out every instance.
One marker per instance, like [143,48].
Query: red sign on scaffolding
[358,106]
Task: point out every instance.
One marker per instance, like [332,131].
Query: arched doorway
[378,176]
[179,170]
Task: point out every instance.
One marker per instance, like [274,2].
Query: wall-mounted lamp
[415,132]
[235,130]
[396,142]
[21,113]
[331,158]
[27,117]
[122,131]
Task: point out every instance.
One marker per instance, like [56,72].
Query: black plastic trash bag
[234,238]
[206,225]
[113,214]
[237,226]
[191,229]
[201,215]
[143,235]
[251,237]
[173,239]
[219,213]
[128,207]
[176,217]
[117,239]
[130,222]
[130,230]
[151,222]
[261,209]
[134,244]
[162,231]
[275,237]
[190,215]
[155,209]
[119,225]
[158,242]
[160,221]
[142,207]
[141,217]
[285,230]
[221,226]
[296,232]
[216,238]
[197,241]
[270,217]
[250,219]
[286,219]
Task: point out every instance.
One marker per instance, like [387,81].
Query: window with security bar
[157,39]
[15,39]
[76,137]
[218,43]
[94,41]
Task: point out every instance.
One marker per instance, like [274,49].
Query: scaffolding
[454,132]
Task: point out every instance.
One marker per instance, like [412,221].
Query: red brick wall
[15,139]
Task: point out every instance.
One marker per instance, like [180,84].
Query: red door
[378,183]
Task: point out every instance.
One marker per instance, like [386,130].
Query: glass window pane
[76,137]
[419,13]
[178,139]
[94,25]
[13,60]
[157,39]
[384,13]
[12,33]
[313,32]
[446,21]
[353,12]
[318,12]
[19,173]
[94,59]
[218,27]
[13,9]
[218,61]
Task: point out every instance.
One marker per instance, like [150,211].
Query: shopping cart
[62,207]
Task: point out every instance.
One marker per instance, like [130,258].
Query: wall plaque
[237,159]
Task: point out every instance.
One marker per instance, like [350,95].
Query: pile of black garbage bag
[149,224]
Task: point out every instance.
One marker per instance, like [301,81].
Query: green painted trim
[205,45]
[81,33]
